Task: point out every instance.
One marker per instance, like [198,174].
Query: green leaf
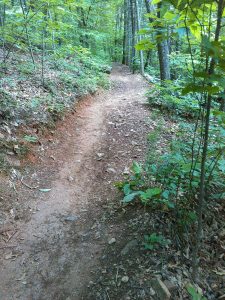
[131,197]
[192,88]
[153,192]
[30,138]
[144,44]
[155,1]
[144,31]
[127,189]
[194,294]
[169,16]
[166,194]
[136,168]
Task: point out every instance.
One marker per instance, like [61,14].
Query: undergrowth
[26,96]
[37,96]
[170,182]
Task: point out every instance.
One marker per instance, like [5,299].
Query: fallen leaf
[44,190]
[219,272]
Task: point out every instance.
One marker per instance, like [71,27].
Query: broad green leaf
[127,189]
[194,294]
[151,193]
[131,197]
[155,1]
[169,16]
[144,44]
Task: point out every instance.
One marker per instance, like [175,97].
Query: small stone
[70,218]
[125,279]
[70,178]
[152,292]
[10,153]
[161,290]
[97,235]
[2,136]
[112,241]
[222,233]
[111,170]
[100,156]
[126,171]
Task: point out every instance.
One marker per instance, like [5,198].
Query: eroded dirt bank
[56,253]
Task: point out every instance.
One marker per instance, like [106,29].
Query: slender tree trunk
[149,10]
[129,33]
[203,187]
[2,23]
[133,52]
[139,38]
[43,59]
[116,36]
[148,58]
[27,33]
[125,34]
[163,53]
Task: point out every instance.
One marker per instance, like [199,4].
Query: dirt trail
[58,250]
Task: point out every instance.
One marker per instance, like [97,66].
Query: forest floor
[66,235]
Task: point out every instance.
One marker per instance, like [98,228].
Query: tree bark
[139,38]
[133,52]
[163,53]
[125,35]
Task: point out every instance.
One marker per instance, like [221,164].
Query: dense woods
[53,52]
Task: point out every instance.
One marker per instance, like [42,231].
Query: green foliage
[154,240]
[30,138]
[26,68]
[169,97]
[194,294]
[66,80]
[171,181]
[7,104]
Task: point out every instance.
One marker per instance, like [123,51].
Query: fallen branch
[5,229]
[28,186]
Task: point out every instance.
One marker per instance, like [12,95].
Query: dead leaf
[219,272]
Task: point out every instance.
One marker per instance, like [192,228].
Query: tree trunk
[149,10]
[125,35]
[133,52]
[139,38]
[163,53]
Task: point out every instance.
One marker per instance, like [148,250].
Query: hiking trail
[56,252]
